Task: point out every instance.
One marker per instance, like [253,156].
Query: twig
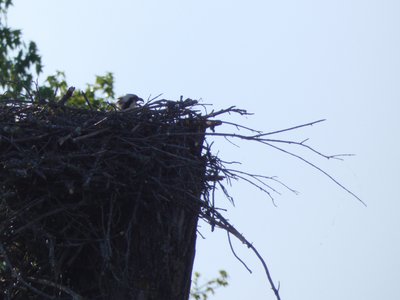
[89,135]
[237,257]
[67,290]
[87,100]
[222,223]
[320,170]
[67,96]
[289,129]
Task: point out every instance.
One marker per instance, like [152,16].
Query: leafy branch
[202,291]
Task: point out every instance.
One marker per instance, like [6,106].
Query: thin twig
[65,289]
[87,100]
[67,96]
[320,170]
[289,129]
[234,253]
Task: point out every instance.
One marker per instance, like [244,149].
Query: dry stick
[67,96]
[257,177]
[91,171]
[237,257]
[289,129]
[319,169]
[154,98]
[260,140]
[255,185]
[269,141]
[276,290]
[73,294]
[227,110]
[32,138]
[27,225]
[82,137]
[87,100]
[224,224]
[302,144]
[241,126]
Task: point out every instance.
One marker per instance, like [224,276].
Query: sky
[289,62]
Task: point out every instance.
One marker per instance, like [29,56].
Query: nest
[104,204]
[76,183]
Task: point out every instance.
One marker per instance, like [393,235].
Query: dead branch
[67,96]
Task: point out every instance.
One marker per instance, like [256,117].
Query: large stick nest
[68,176]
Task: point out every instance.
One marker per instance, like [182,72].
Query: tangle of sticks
[65,170]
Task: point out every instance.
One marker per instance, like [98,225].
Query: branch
[219,221]
[67,96]
[67,290]
[289,129]
[320,170]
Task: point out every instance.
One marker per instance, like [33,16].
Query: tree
[17,59]
[20,63]
[97,95]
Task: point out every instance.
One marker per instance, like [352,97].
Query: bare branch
[289,129]
[67,96]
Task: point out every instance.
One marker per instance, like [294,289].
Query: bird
[129,101]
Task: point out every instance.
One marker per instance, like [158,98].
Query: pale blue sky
[290,62]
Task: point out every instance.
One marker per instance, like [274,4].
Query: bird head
[128,101]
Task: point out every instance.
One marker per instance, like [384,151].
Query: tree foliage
[202,291]
[96,95]
[19,61]
[20,64]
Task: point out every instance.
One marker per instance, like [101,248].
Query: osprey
[128,101]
